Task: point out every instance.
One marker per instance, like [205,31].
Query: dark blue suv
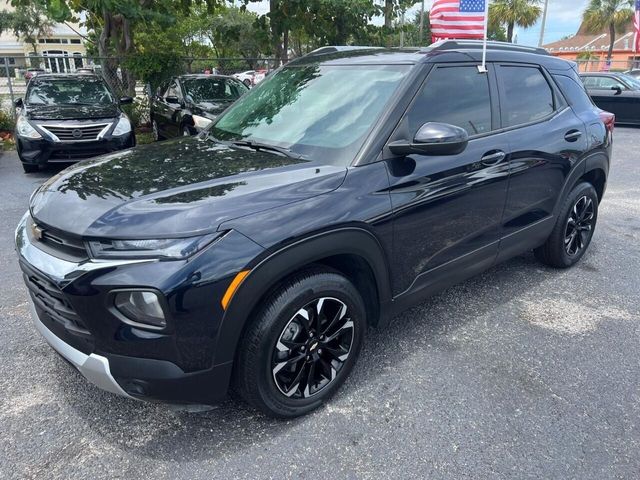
[348,186]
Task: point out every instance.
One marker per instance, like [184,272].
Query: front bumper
[174,367]
[42,151]
[94,368]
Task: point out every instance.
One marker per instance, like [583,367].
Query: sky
[563,19]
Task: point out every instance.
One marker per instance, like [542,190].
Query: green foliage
[28,21]
[7,123]
[613,15]
[138,112]
[512,13]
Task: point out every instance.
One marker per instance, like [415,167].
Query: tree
[28,22]
[611,14]
[512,13]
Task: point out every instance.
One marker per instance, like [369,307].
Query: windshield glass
[212,89]
[321,112]
[634,82]
[68,91]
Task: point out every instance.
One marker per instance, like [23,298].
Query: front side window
[527,96]
[455,95]
[213,89]
[322,112]
[68,91]
[172,91]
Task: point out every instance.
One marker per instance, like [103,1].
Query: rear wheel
[302,344]
[574,229]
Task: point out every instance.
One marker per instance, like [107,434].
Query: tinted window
[210,89]
[575,93]
[68,91]
[602,83]
[527,96]
[455,95]
[172,91]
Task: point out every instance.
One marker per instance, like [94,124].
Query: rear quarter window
[575,93]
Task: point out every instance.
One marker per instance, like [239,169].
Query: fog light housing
[141,308]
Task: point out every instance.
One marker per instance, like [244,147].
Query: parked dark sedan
[617,93]
[66,118]
[191,102]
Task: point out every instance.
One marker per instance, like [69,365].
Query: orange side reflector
[233,286]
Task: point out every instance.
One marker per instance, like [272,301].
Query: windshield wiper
[265,146]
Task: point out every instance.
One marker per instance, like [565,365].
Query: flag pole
[483,68]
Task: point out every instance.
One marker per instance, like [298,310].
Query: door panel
[445,208]
[448,207]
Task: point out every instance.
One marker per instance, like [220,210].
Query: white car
[247,77]
[251,77]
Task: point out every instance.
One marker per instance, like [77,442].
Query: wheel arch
[354,252]
[594,169]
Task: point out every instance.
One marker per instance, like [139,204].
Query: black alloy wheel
[312,348]
[579,226]
[573,229]
[301,344]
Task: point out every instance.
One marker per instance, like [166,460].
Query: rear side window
[603,83]
[455,95]
[575,93]
[527,96]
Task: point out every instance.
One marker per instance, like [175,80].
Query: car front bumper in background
[41,151]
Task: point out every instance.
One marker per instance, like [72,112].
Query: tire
[156,133]
[186,131]
[573,231]
[30,168]
[266,379]
[247,82]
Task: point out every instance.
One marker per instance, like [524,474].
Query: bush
[7,123]
[138,111]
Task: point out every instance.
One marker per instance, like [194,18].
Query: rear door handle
[493,158]
[573,135]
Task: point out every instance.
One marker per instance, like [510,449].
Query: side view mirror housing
[172,100]
[617,89]
[126,101]
[18,103]
[434,138]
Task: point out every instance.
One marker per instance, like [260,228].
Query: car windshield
[321,112]
[68,91]
[632,81]
[212,89]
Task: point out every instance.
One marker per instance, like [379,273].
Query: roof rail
[477,45]
[339,48]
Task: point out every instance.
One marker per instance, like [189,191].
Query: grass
[142,138]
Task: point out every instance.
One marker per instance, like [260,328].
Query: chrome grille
[75,133]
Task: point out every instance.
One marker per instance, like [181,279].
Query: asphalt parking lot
[522,372]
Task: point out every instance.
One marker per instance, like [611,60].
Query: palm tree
[611,14]
[523,13]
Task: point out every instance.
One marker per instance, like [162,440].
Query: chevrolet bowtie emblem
[36,231]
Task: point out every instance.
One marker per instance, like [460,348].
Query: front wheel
[302,344]
[574,229]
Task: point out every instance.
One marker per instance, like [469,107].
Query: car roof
[74,75]
[202,75]
[441,52]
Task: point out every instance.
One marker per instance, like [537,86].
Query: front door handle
[573,135]
[493,158]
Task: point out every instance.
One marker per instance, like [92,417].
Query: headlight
[201,122]
[173,248]
[123,126]
[25,129]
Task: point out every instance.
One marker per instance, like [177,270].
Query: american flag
[457,19]
[636,27]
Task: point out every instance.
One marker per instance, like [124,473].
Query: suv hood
[181,187]
[71,112]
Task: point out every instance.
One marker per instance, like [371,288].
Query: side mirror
[172,100]
[126,101]
[18,103]
[617,89]
[434,138]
